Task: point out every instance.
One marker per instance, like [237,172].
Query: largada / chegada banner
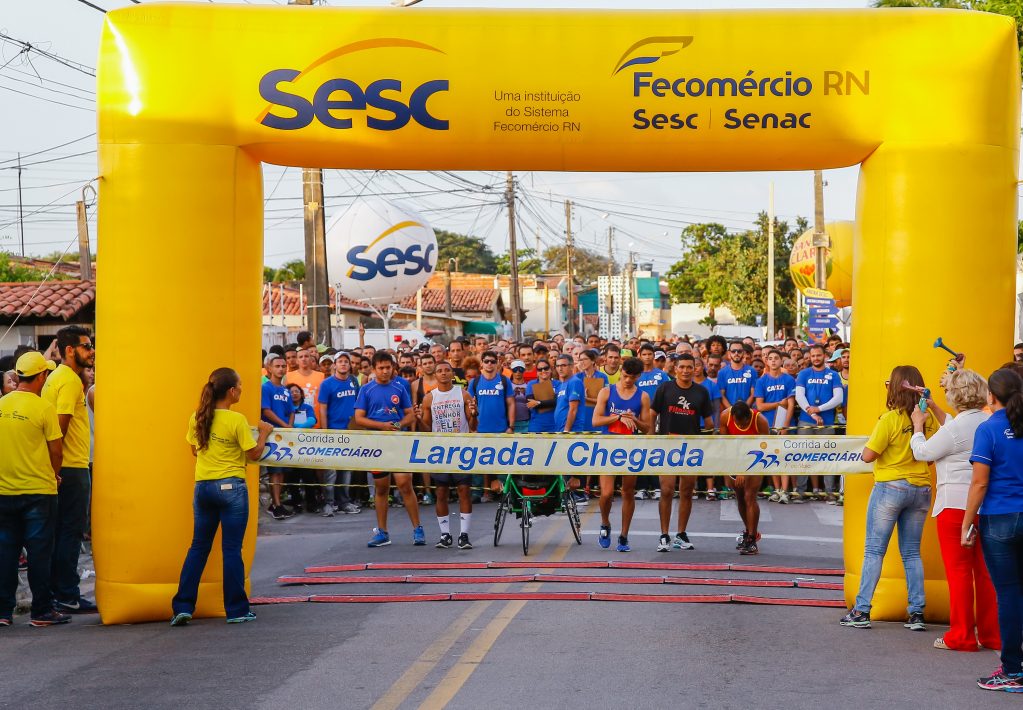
[570,454]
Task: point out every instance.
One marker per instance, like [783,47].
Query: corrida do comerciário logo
[647,84]
[342,103]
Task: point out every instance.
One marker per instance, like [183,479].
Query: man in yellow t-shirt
[30,439]
[65,391]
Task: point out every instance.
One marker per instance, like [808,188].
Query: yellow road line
[455,678]
[435,652]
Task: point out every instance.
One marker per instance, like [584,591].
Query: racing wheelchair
[528,496]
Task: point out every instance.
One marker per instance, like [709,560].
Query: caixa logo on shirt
[497,389]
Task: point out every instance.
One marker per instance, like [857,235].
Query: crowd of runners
[676,387]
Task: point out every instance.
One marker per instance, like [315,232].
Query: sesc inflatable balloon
[379,253]
[838,260]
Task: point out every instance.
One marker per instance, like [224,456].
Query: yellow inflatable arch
[193,98]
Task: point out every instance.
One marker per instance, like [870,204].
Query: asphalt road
[506,653]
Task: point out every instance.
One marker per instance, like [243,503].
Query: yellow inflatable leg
[184,221]
[933,257]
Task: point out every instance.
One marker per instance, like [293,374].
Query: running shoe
[50,618]
[640,495]
[841,500]
[463,542]
[427,499]
[379,539]
[445,542]
[783,498]
[796,497]
[774,497]
[856,619]
[1000,680]
[350,509]
[681,542]
[181,619]
[664,544]
[328,510]
[418,536]
[276,512]
[916,622]
[832,498]
[712,494]
[623,544]
[248,616]
[81,605]
[657,494]
[740,541]
[750,548]
[581,498]
[604,538]
[6,621]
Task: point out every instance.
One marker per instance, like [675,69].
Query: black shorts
[449,479]
[377,475]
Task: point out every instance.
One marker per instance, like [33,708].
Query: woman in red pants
[974,610]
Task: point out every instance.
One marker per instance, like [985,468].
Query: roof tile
[52,299]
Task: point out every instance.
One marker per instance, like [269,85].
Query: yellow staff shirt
[230,438]
[890,439]
[64,390]
[27,423]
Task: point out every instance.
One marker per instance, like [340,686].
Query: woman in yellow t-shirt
[221,442]
[901,495]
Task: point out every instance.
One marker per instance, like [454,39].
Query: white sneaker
[681,542]
[657,494]
[774,497]
[328,510]
[664,544]
[640,495]
[783,498]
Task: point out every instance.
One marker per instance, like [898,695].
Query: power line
[29,47]
[94,7]
[43,98]
[47,150]
[49,160]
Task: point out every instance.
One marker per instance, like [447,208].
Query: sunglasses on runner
[735,351]
[489,361]
[543,369]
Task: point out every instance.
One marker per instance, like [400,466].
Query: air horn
[939,343]
[924,392]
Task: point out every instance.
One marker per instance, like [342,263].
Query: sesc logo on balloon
[378,252]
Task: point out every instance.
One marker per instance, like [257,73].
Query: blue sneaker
[380,538]
[181,619]
[623,544]
[418,536]
[605,536]
[250,616]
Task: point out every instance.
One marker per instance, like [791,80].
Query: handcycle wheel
[527,518]
[568,500]
[502,514]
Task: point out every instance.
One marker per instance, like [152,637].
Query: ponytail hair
[216,388]
[1007,387]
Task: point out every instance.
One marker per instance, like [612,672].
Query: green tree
[471,253]
[293,270]
[529,263]
[587,265]
[12,271]
[721,269]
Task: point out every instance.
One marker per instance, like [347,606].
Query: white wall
[685,319]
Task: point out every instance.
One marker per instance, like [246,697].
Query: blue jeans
[69,530]
[214,505]
[1001,538]
[891,503]
[26,521]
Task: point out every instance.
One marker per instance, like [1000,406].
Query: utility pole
[513,285]
[84,257]
[770,262]
[568,268]
[820,237]
[318,305]
[610,253]
[21,217]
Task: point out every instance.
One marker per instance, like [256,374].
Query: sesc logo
[390,261]
[341,103]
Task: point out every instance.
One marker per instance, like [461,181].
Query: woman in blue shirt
[305,415]
[996,492]
[541,412]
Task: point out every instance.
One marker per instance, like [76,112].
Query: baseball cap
[837,355]
[659,355]
[627,353]
[341,353]
[32,363]
[517,363]
[327,358]
[321,348]
[674,356]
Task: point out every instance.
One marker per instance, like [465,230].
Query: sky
[47,103]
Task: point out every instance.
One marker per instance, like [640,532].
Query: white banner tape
[576,454]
